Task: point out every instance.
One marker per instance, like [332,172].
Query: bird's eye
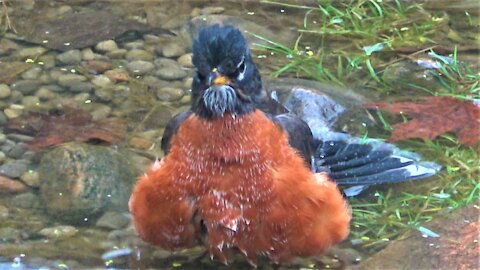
[241,70]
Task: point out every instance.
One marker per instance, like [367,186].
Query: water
[141,78]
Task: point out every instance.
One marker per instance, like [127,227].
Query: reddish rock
[117,75]
[457,246]
[8,185]
[97,66]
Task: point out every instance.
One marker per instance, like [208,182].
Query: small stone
[9,234]
[161,254]
[185,99]
[31,52]
[5,91]
[48,60]
[71,57]
[187,83]
[104,93]
[169,94]
[137,55]
[16,137]
[59,232]
[53,88]
[24,200]
[137,44]
[8,185]
[169,69]
[3,118]
[101,112]
[88,54]
[12,113]
[101,81]
[32,74]
[117,54]
[140,143]
[212,10]
[13,169]
[68,79]
[186,60]
[17,151]
[173,49]
[3,138]
[3,212]
[26,87]
[106,46]
[30,103]
[113,221]
[117,75]
[78,86]
[31,178]
[7,145]
[140,67]
[97,66]
[45,94]
[154,82]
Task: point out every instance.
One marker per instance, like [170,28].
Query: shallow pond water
[113,73]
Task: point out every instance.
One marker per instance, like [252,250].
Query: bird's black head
[226,81]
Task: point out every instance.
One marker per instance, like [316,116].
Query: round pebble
[139,55]
[12,113]
[169,94]
[88,54]
[137,44]
[106,46]
[31,52]
[71,57]
[117,75]
[45,94]
[32,74]
[69,79]
[3,212]
[117,54]
[25,200]
[17,150]
[30,102]
[59,232]
[31,178]
[5,91]
[186,60]
[26,86]
[113,221]
[13,169]
[3,138]
[140,67]
[78,86]
[173,49]
[101,81]
[169,69]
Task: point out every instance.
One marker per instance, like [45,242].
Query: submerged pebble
[5,91]
[113,221]
[59,232]
[140,67]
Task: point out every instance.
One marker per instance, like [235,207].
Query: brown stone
[8,185]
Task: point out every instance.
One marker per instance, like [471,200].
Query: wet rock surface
[456,247]
[80,181]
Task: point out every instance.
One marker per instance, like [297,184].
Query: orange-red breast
[231,180]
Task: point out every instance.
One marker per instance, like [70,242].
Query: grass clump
[351,43]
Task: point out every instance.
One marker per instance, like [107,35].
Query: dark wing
[299,134]
[172,128]
[372,162]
